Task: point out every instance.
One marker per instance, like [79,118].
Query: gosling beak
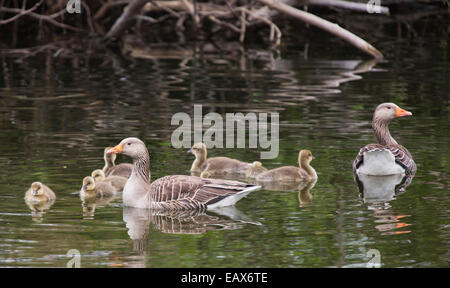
[115,149]
[189,151]
[35,192]
[399,112]
[83,187]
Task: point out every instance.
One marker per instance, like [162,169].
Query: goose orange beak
[115,149]
[399,112]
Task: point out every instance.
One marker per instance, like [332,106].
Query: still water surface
[57,116]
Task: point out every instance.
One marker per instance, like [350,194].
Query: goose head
[98,175]
[305,157]
[88,183]
[37,189]
[132,147]
[386,112]
[199,150]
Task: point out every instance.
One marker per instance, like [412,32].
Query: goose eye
[129,144]
[388,107]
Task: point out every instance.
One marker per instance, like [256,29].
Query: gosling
[291,173]
[39,192]
[90,189]
[117,182]
[255,169]
[216,165]
[110,168]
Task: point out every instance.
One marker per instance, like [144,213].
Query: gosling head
[37,189]
[98,175]
[198,149]
[88,183]
[305,157]
[109,157]
[389,111]
[132,147]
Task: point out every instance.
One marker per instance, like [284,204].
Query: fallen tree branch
[105,7]
[355,6]
[124,21]
[325,25]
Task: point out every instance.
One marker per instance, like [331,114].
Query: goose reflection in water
[194,222]
[377,192]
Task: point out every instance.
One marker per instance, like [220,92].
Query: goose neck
[141,167]
[304,164]
[381,130]
[200,159]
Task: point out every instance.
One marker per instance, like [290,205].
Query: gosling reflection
[38,209]
[377,192]
[305,196]
[90,204]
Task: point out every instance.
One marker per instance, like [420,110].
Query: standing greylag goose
[208,167]
[176,192]
[39,192]
[117,182]
[291,173]
[90,189]
[110,168]
[387,157]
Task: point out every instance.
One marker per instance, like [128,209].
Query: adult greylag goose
[387,157]
[117,182]
[208,167]
[90,189]
[291,173]
[110,168]
[39,192]
[175,192]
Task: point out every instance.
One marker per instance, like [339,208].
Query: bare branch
[21,13]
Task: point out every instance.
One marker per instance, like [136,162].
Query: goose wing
[401,155]
[180,192]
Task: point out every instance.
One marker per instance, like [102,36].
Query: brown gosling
[117,182]
[207,167]
[291,173]
[39,192]
[255,169]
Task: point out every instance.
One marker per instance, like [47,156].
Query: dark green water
[57,116]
